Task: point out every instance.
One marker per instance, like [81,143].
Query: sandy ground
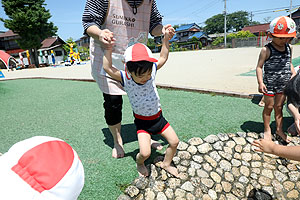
[207,70]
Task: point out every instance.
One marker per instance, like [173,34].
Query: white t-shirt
[144,98]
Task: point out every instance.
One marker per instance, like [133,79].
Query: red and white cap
[39,168]
[138,52]
[283,27]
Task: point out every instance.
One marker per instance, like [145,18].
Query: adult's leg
[145,151]
[278,106]
[170,135]
[269,104]
[113,116]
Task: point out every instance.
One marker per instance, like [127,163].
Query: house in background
[258,30]
[84,41]
[187,32]
[55,44]
[9,45]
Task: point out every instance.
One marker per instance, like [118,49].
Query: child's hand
[106,39]
[168,31]
[262,88]
[264,145]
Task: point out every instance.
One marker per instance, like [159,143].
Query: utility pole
[225,43]
[291,9]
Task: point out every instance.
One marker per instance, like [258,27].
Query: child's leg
[145,151]
[278,106]
[173,141]
[269,103]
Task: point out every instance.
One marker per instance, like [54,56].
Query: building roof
[257,28]
[187,27]
[174,39]
[198,35]
[8,33]
[50,41]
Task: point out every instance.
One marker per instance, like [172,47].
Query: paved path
[205,70]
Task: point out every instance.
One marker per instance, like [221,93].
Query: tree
[215,24]
[238,20]
[234,22]
[29,19]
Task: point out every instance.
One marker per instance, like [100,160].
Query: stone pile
[223,166]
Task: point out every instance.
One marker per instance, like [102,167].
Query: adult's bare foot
[142,170]
[118,151]
[171,169]
[156,145]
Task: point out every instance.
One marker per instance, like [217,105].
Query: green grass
[72,111]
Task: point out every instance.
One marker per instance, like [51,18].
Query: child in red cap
[138,80]
[276,60]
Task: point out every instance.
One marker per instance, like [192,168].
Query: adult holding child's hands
[117,25]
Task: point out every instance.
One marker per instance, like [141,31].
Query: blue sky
[66,14]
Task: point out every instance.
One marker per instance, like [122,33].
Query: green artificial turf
[73,112]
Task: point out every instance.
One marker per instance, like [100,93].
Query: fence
[250,42]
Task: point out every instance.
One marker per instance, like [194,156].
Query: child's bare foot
[142,170]
[284,137]
[171,169]
[267,135]
[118,151]
[156,145]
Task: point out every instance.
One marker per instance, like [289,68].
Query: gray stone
[195,141]
[239,140]
[124,197]
[161,196]
[280,176]
[223,137]
[211,139]
[192,150]
[218,145]
[225,165]
[149,194]
[132,191]
[235,162]
[212,194]
[198,158]
[214,155]
[141,182]
[169,193]
[202,174]
[184,155]
[188,186]
[182,146]
[204,148]
[195,165]
[180,193]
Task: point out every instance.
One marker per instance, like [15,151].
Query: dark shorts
[152,125]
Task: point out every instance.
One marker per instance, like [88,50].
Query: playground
[72,110]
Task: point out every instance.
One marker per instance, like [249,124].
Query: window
[58,53]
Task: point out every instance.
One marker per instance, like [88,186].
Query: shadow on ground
[258,127]
[259,194]
[129,135]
